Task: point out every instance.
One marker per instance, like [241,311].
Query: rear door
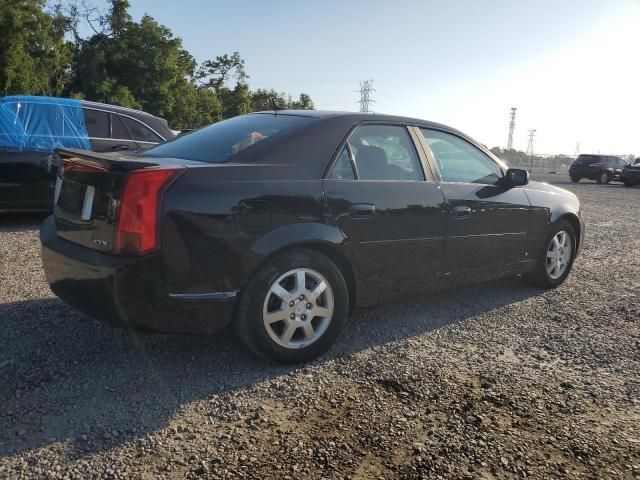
[486,224]
[389,208]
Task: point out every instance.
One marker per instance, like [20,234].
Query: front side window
[385,152]
[217,142]
[460,161]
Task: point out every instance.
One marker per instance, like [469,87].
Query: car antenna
[275,105]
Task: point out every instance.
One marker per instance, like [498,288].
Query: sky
[571,67]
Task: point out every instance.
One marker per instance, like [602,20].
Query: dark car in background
[281,223]
[31,128]
[601,168]
[631,174]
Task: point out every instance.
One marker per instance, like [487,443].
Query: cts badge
[101,243]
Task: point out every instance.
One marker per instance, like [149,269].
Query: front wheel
[556,258]
[575,179]
[603,178]
[628,183]
[294,308]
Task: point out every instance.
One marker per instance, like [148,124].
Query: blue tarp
[41,124]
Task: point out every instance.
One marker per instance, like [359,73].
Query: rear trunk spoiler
[109,161]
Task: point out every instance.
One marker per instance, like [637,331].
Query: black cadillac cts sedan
[281,223]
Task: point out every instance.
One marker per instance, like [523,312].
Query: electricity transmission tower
[366,87]
[577,152]
[512,127]
[532,135]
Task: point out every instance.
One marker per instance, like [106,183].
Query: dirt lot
[496,380]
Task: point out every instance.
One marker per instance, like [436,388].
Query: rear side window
[118,129]
[587,159]
[217,142]
[140,132]
[97,123]
[343,169]
[385,152]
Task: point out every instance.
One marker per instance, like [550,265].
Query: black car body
[391,202]
[32,127]
[631,174]
[601,168]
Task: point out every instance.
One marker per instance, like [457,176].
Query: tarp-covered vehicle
[31,128]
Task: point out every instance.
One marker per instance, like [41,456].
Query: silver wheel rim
[298,308]
[604,177]
[559,254]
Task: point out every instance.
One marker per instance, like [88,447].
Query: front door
[486,223]
[386,207]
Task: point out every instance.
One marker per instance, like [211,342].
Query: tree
[34,58]
[214,73]
[304,103]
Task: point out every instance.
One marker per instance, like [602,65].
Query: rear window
[217,142]
[587,159]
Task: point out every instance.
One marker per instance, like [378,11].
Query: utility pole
[366,87]
[531,133]
[512,127]
[577,152]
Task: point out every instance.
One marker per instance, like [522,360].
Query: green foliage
[134,64]
[34,56]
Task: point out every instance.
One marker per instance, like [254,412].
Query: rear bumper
[127,291]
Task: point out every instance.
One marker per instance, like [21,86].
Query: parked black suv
[32,127]
[601,168]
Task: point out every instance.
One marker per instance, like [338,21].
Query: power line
[366,87]
[512,127]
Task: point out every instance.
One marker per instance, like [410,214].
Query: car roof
[154,122]
[360,117]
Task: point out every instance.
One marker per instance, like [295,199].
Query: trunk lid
[89,187]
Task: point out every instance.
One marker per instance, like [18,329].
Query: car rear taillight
[137,228]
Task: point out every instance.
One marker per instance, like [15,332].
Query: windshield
[217,142]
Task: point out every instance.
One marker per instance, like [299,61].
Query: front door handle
[120,148]
[362,210]
[461,212]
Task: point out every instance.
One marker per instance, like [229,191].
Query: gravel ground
[495,380]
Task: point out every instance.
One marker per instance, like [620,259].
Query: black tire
[539,276]
[628,183]
[249,323]
[575,179]
[603,178]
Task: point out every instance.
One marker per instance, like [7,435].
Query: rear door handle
[461,212]
[362,210]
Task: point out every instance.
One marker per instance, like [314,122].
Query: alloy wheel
[559,254]
[298,308]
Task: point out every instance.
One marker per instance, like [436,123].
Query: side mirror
[515,177]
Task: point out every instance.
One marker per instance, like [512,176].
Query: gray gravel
[495,380]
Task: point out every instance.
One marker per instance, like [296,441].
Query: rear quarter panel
[221,222]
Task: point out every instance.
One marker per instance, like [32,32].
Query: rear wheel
[556,258]
[294,308]
[603,178]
